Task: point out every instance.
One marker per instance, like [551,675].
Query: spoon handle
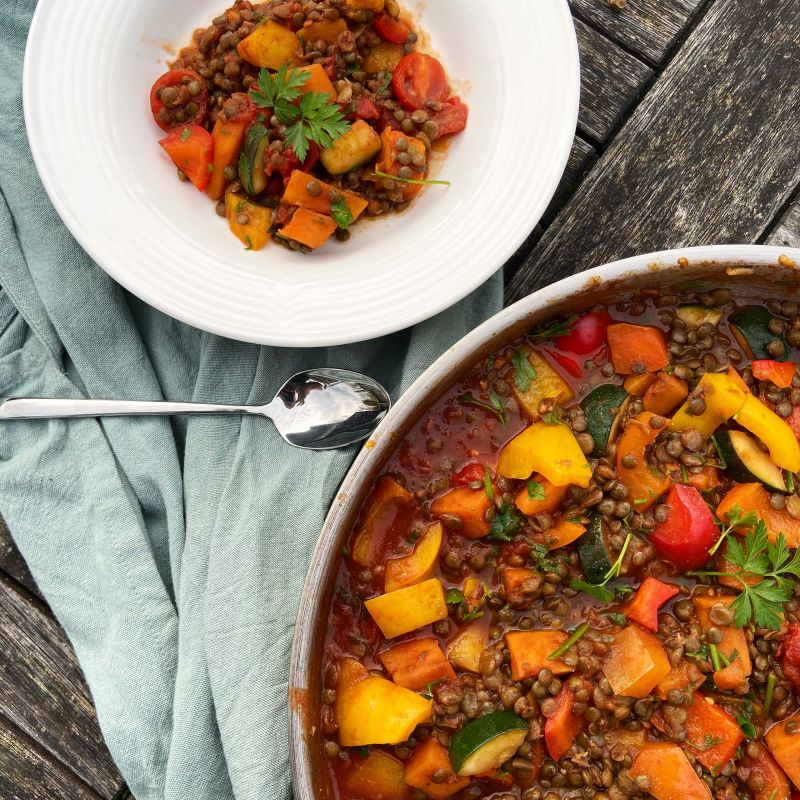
[43,408]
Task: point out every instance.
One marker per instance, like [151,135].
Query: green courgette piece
[252,174]
[593,551]
[695,316]
[745,461]
[487,742]
[750,326]
[601,407]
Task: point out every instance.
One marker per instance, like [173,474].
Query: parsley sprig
[736,519]
[552,330]
[495,406]
[599,590]
[310,117]
[775,564]
[524,371]
[341,214]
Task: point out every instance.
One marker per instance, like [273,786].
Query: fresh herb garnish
[736,519]
[552,330]
[415,181]
[314,118]
[427,692]
[616,617]
[540,557]
[723,462]
[773,563]
[599,590]
[553,417]
[454,596]
[748,729]
[576,636]
[185,135]
[248,242]
[524,371]
[701,653]
[341,214]
[790,481]
[487,482]
[504,523]
[495,405]
[709,741]
[769,693]
[535,490]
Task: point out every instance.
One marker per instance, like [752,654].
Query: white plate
[95,146]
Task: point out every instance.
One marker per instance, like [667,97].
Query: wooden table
[689,133]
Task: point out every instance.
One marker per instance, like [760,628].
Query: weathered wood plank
[787,232]
[647,28]
[710,155]
[26,773]
[12,562]
[611,79]
[43,693]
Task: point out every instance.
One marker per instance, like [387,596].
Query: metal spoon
[318,409]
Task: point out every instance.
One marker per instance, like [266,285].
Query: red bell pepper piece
[192,150]
[587,335]
[453,117]
[569,364]
[790,655]
[366,109]
[390,29]
[561,729]
[780,373]
[651,595]
[474,471]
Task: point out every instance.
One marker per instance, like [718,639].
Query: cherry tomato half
[587,334]
[179,98]
[468,474]
[192,150]
[419,79]
[452,118]
[391,30]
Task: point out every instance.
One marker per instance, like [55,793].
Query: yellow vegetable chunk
[723,398]
[377,711]
[377,777]
[384,57]
[417,566]
[352,149]
[785,747]
[270,45]
[465,650]
[551,450]
[547,385]
[781,442]
[636,663]
[255,234]
[367,5]
[326,31]
[405,610]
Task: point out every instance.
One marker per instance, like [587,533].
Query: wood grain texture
[26,773]
[12,562]
[647,28]
[43,693]
[710,155]
[611,80]
[787,232]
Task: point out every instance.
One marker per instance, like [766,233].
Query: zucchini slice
[746,461]
[695,316]
[251,162]
[487,742]
[593,551]
[750,326]
[601,407]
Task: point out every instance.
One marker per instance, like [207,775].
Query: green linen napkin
[172,551]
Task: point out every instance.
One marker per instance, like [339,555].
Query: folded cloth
[172,551]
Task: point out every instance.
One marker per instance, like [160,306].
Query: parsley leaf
[552,330]
[616,617]
[736,519]
[524,371]
[341,214]
[535,490]
[540,557]
[504,523]
[487,482]
[454,596]
[495,405]
[185,135]
[278,91]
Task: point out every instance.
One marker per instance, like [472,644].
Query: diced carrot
[636,662]
[757,761]
[705,480]
[469,506]
[308,228]
[297,194]
[666,394]
[428,759]
[564,725]
[531,506]
[671,775]
[417,663]
[318,80]
[377,777]
[785,747]
[388,160]
[637,385]
[733,645]
[528,651]
[686,675]
[419,564]
[513,579]
[563,533]
[636,348]
[650,596]
[228,136]
[386,504]
[754,497]
[644,484]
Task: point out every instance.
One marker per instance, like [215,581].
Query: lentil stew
[301,118]
[578,576]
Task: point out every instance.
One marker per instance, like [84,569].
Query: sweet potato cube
[687,674]
[326,31]
[636,662]
[255,233]
[270,45]
[297,194]
[318,80]
[384,57]
[670,773]
[308,228]
[733,646]
[785,747]
[529,650]
[666,394]
[468,506]
[417,566]
[417,663]
[563,533]
[758,764]
[377,777]
[429,758]
[636,348]
[405,610]
[514,579]
[531,506]
[465,650]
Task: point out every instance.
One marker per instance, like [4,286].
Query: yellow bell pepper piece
[723,398]
[417,566]
[551,450]
[270,45]
[405,610]
[377,711]
[465,650]
[772,430]
[547,385]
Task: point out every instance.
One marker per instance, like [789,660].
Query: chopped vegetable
[562,533]
[429,769]
[753,497]
[417,566]
[636,348]
[644,484]
[388,505]
[637,385]
[529,651]
[317,81]
[759,768]
[549,385]
[297,194]
[351,149]
[785,746]
[228,136]
[780,373]
[723,397]
[465,650]
[466,510]
[750,326]
[587,334]
[636,662]
[487,742]
[327,31]
[593,551]
[179,90]
[789,653]
[602,408]
[694,316]
[746,461]
[405,610]
[647,601]
[383,58]
[733,645]
[377,777]
[308,228]
[669,772]
[419,79]
[544,497]
[248,221]
[416,664]
[686,675]
[773,432]
[191,149]
[665,394]
[563,725]
[271,45]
